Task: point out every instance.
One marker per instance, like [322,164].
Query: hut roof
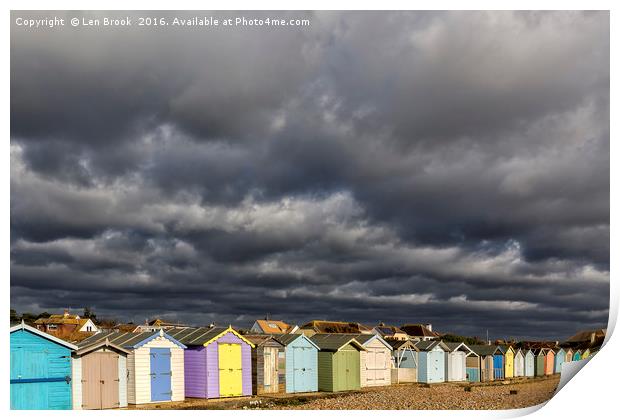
[25,327]
[195,336]
[483,349]
[129,340]
[456,346]
[287,339]
[364,339]
[430,345]
[334,342]
[260,339]
[203,336]
[83,349]
[398,344]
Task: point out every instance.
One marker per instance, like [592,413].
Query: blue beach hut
[40,370]
[301,356]
[498,363]
[560,358]
[432,366]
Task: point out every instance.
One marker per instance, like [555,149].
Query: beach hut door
[161,374]
[29,379]
[375,366]
[302,368]
[229,356]
[100,381]
[498,366]
[270,367]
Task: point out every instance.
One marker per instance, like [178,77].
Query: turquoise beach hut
[560,358]
[301,356]
[40,370]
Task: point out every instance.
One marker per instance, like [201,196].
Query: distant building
[536,345]
[125,328]
[390,332]
[422,332]
[334,327]
[67,326]
[271,326]
[582,338]
[158,324]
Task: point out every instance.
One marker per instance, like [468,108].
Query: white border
[590,394]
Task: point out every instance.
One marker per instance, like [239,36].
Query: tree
[14,316]
[29,318]
[88,313]
[453,338]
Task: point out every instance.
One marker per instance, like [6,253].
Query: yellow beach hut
[509,359]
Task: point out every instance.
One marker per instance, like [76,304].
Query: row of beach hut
[111,370]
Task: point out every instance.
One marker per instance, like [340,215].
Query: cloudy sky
[450,168]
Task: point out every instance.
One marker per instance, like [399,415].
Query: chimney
[429,326]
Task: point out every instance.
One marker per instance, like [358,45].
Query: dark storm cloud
[443,167]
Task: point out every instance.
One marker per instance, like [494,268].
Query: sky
[449,168]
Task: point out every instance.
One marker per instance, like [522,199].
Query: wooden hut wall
[301,366]
[431,368]
[539,369]
[509,363]
[195,371]
[375,364]
[340,370]
[472,367]
[559,359]
[139,371]
[456,366]
[268,368]
[498,365]
[38,370]
[213,367]
[77,370]
[405,362]
[530,364]
[549,362]
[486,364]
[519,364]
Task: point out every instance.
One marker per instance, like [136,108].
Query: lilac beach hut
[217,362]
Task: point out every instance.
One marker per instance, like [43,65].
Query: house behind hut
[67,326]
[334,327]
[270,326]
[421,332]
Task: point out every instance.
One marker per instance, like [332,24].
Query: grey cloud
[450,167]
